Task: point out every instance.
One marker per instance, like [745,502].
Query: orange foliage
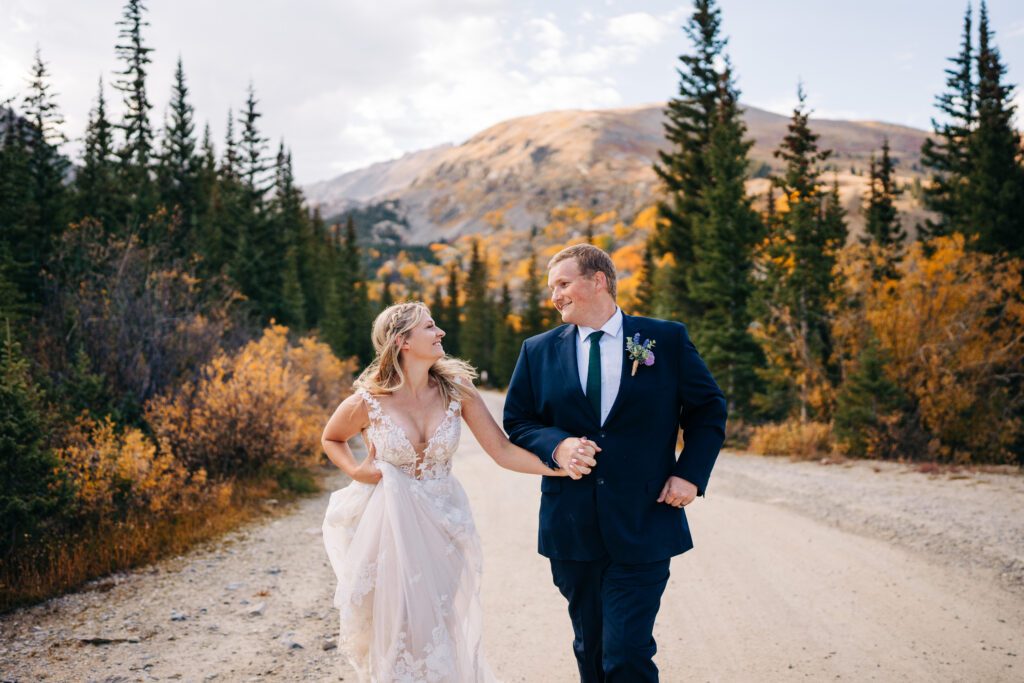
[264,404]
[647,220]
[628,259]
[953,327]
[114,473]
[495,218]
[800,440]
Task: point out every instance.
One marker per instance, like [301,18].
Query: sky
[347,83]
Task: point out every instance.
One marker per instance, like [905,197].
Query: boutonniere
[639,352]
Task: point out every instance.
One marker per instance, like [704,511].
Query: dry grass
[799,440]
[66,563]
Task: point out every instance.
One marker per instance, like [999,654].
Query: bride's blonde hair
[384,375]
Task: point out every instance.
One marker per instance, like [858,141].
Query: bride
[401,537]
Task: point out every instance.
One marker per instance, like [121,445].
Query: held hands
[367,472]
[576,457]
[677,492]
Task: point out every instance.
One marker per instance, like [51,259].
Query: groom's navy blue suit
[608,539]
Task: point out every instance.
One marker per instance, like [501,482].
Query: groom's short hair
[589,259]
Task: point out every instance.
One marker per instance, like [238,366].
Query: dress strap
[376,413]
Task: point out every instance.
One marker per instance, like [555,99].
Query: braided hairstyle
[384,374]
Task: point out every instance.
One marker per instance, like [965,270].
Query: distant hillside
[514,173]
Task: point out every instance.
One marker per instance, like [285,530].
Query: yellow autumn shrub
[328,378]
[264,404]
[802,440]
[952,325]
[117,472]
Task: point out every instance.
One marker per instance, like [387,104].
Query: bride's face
[424,341]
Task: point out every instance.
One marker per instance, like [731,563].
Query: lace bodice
[392,445]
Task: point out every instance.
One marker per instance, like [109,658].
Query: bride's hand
[367,472]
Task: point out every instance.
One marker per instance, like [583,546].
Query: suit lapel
[569,365]
[630,326]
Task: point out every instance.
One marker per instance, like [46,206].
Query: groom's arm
[524,425]
[702,416]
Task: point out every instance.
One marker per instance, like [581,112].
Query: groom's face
[574,295]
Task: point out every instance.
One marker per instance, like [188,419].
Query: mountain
[514,173]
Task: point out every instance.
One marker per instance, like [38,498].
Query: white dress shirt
[612,348]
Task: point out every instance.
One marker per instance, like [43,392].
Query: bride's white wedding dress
[408,561]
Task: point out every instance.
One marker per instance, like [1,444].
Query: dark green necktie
[594,373]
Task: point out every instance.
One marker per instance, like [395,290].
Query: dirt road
[795,576]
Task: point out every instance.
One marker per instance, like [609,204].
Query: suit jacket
[612,511]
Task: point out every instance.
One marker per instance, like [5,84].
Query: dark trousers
[612,607]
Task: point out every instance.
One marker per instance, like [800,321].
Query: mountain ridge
[514,173]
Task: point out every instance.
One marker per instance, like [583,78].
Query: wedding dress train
[408,561]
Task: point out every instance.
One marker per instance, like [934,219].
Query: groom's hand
[677,492]
[576,456]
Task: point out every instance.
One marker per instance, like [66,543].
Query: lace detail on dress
[408,561]
[435,666]
[391,443]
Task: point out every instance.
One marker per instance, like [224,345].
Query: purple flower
[639,353]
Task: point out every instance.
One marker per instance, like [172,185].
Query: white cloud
[905,60]
[636,29]
[23,16]
[346,84]
[463,75]
[621,40]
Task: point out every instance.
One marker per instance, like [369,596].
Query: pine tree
[506,347]
[882,222]
[356,307]
[226,211]
[349,313]
[210,240]
[16,215]
[795,284]
[49,201]
[293,310]
[177,168]
[453,312]
[290,224]
[96,186]
[726,230]
[946,153]
[315,260]
[435,302]
[230,165]
[138,134]
[259,260]
[865,397]
[533,312]
[995,181]
[476,336]
[683,169]
[253,164]
[30,488]
[644,304]
[333,327]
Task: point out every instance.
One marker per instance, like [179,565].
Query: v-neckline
[405,435]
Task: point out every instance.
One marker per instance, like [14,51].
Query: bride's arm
[350,418]
[494,441]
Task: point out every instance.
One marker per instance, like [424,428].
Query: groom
[610,534]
